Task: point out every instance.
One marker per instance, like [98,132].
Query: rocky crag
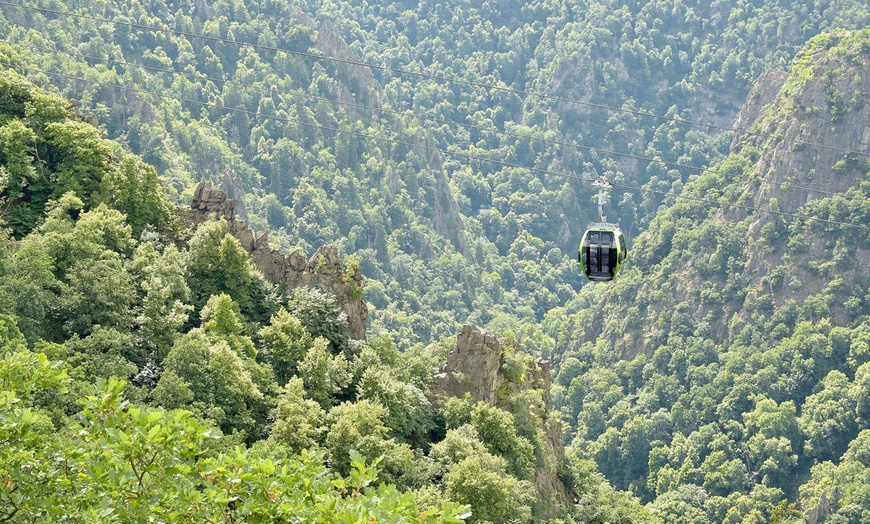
[324,270]
[479,367]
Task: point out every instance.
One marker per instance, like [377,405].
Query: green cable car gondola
[603,248]
[602,251]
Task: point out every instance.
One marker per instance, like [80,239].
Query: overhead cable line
[419,74]
[432,119]
[470,156]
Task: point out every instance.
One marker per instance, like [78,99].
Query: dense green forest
[150,369]
[443,239]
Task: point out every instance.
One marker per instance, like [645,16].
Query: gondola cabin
[602,251]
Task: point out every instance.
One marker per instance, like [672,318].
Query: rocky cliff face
[823,101]
[477,367]
[356,84]
[324,270]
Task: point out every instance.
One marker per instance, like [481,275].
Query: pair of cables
[423,118]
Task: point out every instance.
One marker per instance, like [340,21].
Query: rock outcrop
[358,86]
[324,270]
[823,508]
[478,367]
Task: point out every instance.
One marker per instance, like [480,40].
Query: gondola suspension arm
[602,184]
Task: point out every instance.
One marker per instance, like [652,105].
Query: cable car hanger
[603,249]
[602,184]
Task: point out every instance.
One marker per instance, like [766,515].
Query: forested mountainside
[149,369]
[722,378]
[453,223]
[727,369]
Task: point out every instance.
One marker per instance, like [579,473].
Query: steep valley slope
[727,368]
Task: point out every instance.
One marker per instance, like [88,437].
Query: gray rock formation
[324,270]
[477,367]
[823,508]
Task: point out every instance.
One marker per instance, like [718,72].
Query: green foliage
[82,158]
[23,462]
[125,463]
[10,336]
[16,142]
[100,293]
[321,317]
[828,417]
[164,307]
[221,320]
[457,445]
[298,420]
[285,343]
[514,365]
[481,481]
[497,430]
[28,280]
[134,189]
[774,438]
[74,272]
[325,374]
[220,379]
[359,427]
[598,502]
[689,400]
[217,264]
[408,412]
[104,353]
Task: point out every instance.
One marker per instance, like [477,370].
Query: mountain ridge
[788,167]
